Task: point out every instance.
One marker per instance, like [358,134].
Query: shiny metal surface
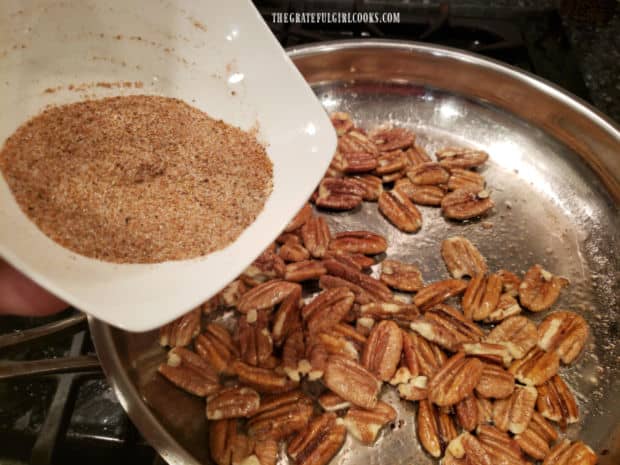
[554,174]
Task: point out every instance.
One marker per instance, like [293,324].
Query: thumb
[21,296]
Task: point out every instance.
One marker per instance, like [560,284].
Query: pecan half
[291,252]
[364,242]
[556,402]
[352,260]
[356,141]
[293,353]
[390,162]
[382,350]
[361,296]
[467,413]
[392,138]
[339,194]
[190,372]
[514,413]
[316,236]
[351,381]
[287,318]
[437,292]
[242,448]
[430,173]
[462,258]
[365,425]
[485,410]
[495,382]
[461,157]
[266,295]
[401,276]
[328,308]
[563,332]
[506,307]
[262,380]
[402,314]
[422,357]
[373,186]
[319,442]
[255,343]
[266,452]
[447,327]
[216,346]
[341,339]
[537,437]
[280,415]
[181,331]
[536,367]
[517,333]
[495,353]
[511,282]
[435,428]
[331,402]
[399,210]
[420,194]
[540,289]
[500,447]
[463,204]
[233,402]
[571,453]
[481,296]
[289,238]
[465,179]
[455,380]
[304,271]
[378,291]
[224,439]
[358,162]
[416,155]
[342,122]
[300,218]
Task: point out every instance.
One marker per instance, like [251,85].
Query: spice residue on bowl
[136,179]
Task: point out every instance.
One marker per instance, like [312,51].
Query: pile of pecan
[366,164]
[316,338]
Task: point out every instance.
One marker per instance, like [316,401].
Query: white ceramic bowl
[217,56]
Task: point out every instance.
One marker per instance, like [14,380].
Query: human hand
[21,296]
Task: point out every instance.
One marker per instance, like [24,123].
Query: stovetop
[66,417]
[73,417]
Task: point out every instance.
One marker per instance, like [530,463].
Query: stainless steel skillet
[555,177]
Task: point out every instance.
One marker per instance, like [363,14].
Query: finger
[21,296]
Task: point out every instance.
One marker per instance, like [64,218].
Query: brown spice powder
[136,179]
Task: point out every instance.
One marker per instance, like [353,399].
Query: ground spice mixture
[136,179]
